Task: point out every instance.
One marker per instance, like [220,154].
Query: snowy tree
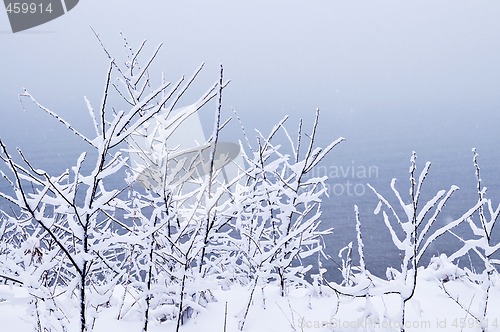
[75,221]
[277,211]
[412,237]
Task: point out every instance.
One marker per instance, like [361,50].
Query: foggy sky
[421,73]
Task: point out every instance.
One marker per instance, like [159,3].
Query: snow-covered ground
[302,309]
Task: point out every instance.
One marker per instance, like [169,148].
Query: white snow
[430,310]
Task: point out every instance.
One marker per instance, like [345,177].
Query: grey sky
[432,67]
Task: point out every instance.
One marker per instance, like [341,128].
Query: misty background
[391,77]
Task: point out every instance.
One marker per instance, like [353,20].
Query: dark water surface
[376,150]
